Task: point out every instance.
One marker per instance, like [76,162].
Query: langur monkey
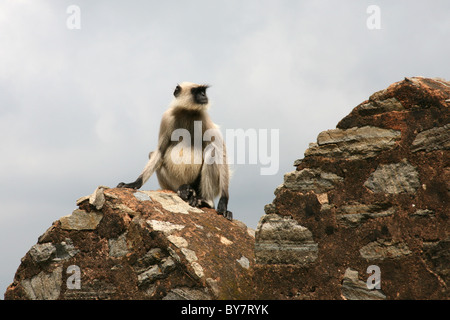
[205,175]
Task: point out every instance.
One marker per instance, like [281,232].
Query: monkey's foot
[227,214]
[222,208]
[188,194]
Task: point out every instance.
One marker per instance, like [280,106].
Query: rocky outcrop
[372,195]
[128,244]
[373,191]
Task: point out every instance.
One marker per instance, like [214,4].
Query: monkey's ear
[177,91]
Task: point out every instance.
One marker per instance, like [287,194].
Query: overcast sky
[81,107]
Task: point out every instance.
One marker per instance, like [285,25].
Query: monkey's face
[191,95]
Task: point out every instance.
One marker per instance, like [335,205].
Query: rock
[373,191]
[355,289]
[118,247]
[394,178]
[142,196]
[353,143]
[97,199]
[311,180]
[42,252]
[377,106]
[170,203]
[164,226]
[44,286]
[150,275]
[81,220]
[281,240]
[353,215]
[432,139]
[379,250]
[64,250]
[129,246]
[244,262]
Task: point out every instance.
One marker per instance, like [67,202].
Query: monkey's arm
[224,180]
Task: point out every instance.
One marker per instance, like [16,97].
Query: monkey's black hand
[132,185]
[188,194]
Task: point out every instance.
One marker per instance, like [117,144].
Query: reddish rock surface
[130,244]
[374,191]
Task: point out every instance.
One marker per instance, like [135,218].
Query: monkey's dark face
[197,93]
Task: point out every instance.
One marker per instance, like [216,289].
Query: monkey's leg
[222,208]
[214,181]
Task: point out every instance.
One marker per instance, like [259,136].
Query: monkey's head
[191,96]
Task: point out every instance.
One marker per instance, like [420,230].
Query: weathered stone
[42,252]
[311,180]
[432,139]
[118,247]
[380,106]
[380,249]
[125,209]
[244,262]
[172,202]
[353,215]
[153,256]
[354,143]
[142,196]
[164,226]
[394,178]
[150,275]
[355,289]
[97,199]
[189,254]
[167,265]
[423,213]
[225,241]
[180,242]
[198,269]
[65,250]
[281,240]
[81,220]
[44,286]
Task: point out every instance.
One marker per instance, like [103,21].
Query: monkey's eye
[177,91]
